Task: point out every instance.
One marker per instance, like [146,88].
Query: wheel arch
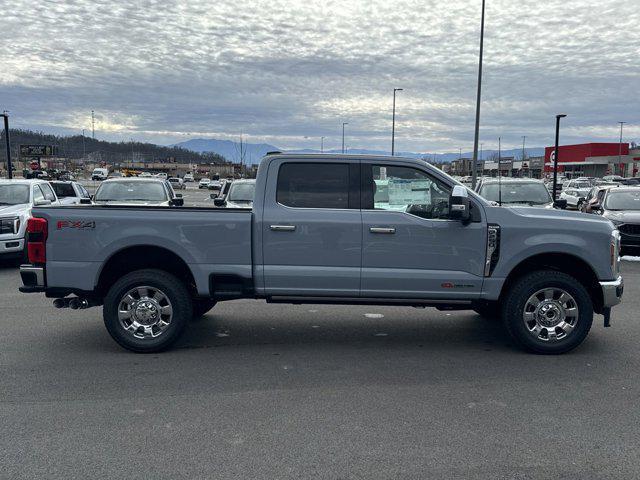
[561,262]
[137,257]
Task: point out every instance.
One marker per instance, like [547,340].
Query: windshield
[242,192]
[529,193]
[14,194]
[582,184]
[63,190]
[623,201]
[131,191]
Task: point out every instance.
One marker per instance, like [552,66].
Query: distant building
[594,160]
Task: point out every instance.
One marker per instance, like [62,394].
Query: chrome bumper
[612,292]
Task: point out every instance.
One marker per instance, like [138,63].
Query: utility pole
[620,148]
[343,124]
[93,125]
[321,144]
[556,154]
[393,121]
[474,167]
[5,114]
[524,137]
[83,147]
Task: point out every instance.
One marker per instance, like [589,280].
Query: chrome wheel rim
[550,314]
[145,312]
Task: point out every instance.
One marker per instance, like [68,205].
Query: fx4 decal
[79,224]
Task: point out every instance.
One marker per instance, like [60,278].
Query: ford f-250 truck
[331,229]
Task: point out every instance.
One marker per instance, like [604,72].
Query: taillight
[36,240]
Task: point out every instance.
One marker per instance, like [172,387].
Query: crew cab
[317,234]
[70,193]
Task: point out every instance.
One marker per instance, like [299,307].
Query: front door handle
[283,228]
[382,230]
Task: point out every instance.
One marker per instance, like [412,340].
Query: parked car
[70,193]
[145,175]
[595,196]
[177,183]
[315,235]
[517,192]
[117,175]
[137,191]
[204,183]
[215,185]
[622,206]
[241,193]
[613,178]
[161,175]
[188,177]
[631,181]
[100,174]
[17,198]
[575,191]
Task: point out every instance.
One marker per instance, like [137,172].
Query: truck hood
[628,216]
[566,220]
[12,210]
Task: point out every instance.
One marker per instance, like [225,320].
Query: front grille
[8,225]
[630,229]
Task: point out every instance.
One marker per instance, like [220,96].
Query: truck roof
[338,156]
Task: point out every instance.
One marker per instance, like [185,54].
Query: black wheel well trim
[568,263]
[184,266]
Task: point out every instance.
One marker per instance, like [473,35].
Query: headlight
[614,249]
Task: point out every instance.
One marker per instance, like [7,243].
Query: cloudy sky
[288,71]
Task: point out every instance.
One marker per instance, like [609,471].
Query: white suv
[17,197]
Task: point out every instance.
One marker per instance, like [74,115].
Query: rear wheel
[147,310]
[548,312]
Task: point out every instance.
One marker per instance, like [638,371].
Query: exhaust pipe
[78,303]
[61,302]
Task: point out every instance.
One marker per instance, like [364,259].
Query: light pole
[524,138]
[321,144]
[620,147]
[474,174]
[343,124]
[393,121]
[83,147]
[5,114]
[556,154]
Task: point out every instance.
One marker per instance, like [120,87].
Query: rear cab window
[330,185]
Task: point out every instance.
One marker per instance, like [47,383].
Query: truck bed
[82,238]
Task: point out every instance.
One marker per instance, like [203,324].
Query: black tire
[516,298]
[488,310]
[201,306]
[175,291]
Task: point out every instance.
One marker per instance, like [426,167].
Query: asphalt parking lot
[277,391]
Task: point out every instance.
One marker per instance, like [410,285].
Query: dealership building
[594,160]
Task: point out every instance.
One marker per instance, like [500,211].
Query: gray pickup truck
[331,229]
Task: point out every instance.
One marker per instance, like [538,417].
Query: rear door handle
[382,230]
[283,228]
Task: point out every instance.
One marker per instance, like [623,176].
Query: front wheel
[548,312]
[147,310]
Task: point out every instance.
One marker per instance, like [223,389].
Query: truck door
[411,249]
[312,228]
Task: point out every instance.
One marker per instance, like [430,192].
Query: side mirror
[560,203]
[219,202]
[85,201]
[177,202]
[42,203]
[459,204]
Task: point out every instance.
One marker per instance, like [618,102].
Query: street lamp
[343,124]
[556,154]
[393,122]
[322,144]
[5,114]
[474,167]
[620,147]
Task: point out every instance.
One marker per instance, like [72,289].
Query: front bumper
[612,292]
[33,279]
[11,245]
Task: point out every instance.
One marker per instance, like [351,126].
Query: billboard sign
[38,150]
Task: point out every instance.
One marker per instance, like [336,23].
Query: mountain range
[253,152]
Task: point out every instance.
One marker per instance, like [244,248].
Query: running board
[401,302]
